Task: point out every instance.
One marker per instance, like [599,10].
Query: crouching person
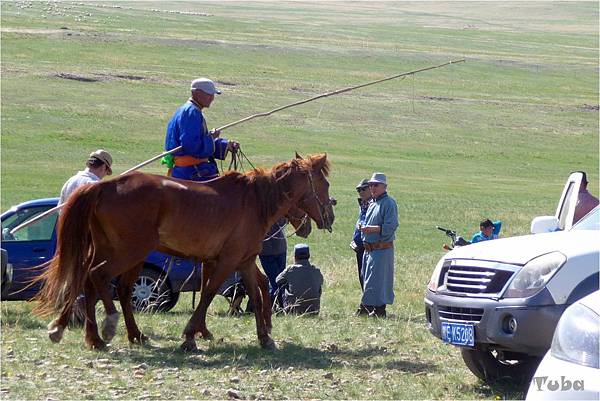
[300,284]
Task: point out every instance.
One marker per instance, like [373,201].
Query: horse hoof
[55,331]
[269,344]
[207,335]
[139,339]
[189,346]
[109,326]
[98,345]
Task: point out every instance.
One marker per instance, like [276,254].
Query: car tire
[491,367]
[152,292]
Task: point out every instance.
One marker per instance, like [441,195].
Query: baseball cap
[205,85]
[104,157]
[301,251]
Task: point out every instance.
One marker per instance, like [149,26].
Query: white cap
[205,85]
[378,178]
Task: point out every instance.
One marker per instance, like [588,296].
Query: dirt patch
[130,77]
[74,77]
[590,107]
[100,77]
[225,83]
[439,98]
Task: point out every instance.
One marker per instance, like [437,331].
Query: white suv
[500,300]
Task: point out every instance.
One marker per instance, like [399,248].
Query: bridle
[322,205]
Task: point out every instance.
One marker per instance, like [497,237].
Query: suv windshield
[590,222]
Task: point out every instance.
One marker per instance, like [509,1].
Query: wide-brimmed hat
[301,251]
[104,157]
[378,178]
[205,85]
[363,184]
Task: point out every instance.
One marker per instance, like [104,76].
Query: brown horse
[107,229]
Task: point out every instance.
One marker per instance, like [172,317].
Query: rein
[302,222]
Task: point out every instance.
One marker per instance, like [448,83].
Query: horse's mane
[270,190]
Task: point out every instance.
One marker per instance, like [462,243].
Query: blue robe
[378,265]
[187,128]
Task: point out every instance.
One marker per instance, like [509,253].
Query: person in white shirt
[97,167]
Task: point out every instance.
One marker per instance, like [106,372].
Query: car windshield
[591,221]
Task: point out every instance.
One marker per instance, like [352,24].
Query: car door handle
[39,249]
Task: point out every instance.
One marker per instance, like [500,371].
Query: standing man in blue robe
[378,236]
[187,128]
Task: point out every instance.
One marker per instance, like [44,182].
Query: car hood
[520,250]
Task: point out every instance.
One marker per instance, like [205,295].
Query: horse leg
[197,322]
[250,281]
[56,327]
[124,289]
[208,271]
[92,339]
[100,278]
[263,285]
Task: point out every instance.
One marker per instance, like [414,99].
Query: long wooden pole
[264,114]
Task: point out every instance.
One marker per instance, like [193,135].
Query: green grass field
[493,137]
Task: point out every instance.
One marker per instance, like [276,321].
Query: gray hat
[378,178]
[363,184]
[301,251]
[104,157]
[205,85]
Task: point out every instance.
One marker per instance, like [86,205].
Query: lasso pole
[264,114]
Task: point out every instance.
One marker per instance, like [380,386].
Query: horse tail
[63,280]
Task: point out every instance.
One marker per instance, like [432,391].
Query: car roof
[38,202]
[30,203]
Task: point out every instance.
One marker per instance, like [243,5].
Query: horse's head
[300,221]
[315,198]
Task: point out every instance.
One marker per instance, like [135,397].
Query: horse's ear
[298,156]
[319,162]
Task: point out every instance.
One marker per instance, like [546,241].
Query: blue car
[157,288]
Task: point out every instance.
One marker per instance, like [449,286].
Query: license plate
[458,333]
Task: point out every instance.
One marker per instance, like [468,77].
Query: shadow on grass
[221,355]
[505,389]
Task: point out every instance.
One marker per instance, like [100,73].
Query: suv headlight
[435,276]
[576,338]
[535,275]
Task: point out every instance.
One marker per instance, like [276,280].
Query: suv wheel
[152,293]
[491,366]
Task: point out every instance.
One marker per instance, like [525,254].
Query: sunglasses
[359,190]
[373,184]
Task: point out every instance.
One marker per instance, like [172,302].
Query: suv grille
[460,277]
[464,314]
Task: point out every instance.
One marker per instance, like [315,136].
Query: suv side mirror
[544,224]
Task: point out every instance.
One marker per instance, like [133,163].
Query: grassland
[493,137]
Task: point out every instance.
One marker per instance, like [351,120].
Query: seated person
[489,231]
[300,284]
[234,291]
